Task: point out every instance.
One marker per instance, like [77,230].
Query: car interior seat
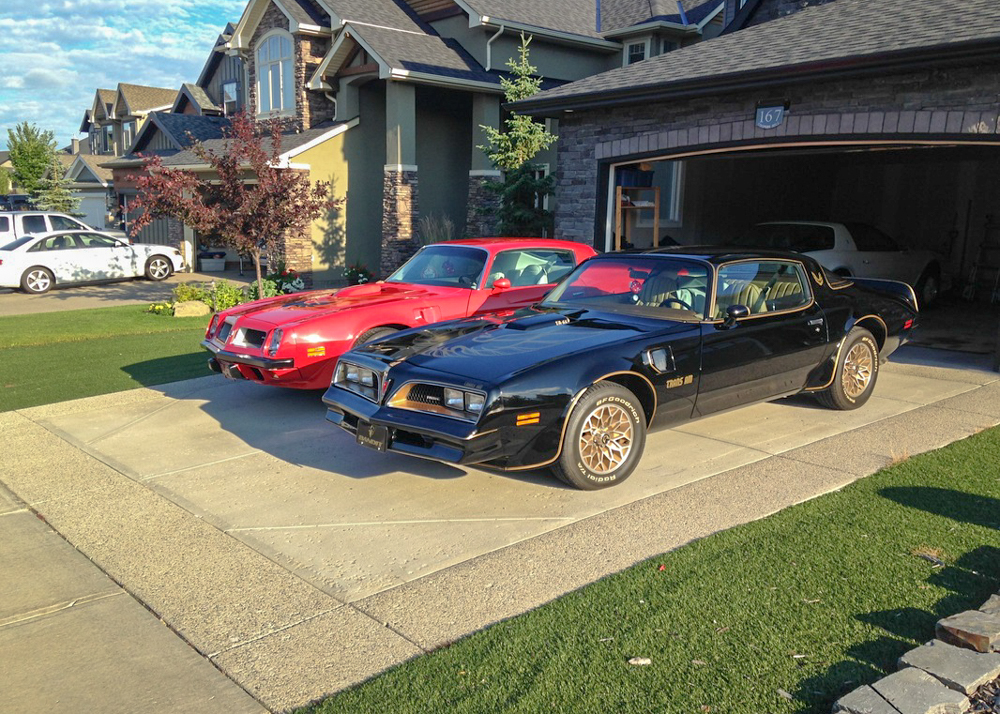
[58,243]
[738,292]
[532,275]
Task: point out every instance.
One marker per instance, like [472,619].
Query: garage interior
[940,197]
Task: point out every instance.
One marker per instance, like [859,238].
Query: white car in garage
[36,263]
[854,249]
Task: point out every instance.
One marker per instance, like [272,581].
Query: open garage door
[901,203]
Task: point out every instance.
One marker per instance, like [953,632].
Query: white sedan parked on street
[854,249]
[36,263]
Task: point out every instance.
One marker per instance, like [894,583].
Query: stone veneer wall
[957,101]
[311,108]
[481,216]
[400,212]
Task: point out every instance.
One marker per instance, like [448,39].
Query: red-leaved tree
[245,199]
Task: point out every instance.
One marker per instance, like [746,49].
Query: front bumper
[413,433]
[252,361]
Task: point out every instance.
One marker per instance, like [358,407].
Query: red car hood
[298,307]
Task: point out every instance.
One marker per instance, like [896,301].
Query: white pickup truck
[14,224]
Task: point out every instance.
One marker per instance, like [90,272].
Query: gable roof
[215,55]
[84,164]
[843,36]
[292,144]
[577,17]
[196,96]
[618,14]
[139,99]
[104,102]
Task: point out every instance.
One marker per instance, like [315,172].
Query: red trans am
[295,340]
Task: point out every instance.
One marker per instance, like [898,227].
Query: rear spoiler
[895,288]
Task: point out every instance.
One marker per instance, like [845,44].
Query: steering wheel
[679,302]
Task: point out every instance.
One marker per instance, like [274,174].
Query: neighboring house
[6,165]
[93,183]
[877,111]
[398,90]
[117,116]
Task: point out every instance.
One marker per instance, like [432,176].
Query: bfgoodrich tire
[37,280]
[604,438]
[856,373]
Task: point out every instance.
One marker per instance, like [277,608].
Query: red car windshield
[443,265]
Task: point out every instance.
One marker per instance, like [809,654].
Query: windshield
[673,288]
[17,243]
[456,266]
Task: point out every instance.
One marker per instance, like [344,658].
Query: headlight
[454,399]
[474,402]
[271,348]
[357,379]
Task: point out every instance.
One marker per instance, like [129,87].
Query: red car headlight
[274,342]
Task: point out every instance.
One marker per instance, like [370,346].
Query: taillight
[273,343]
[212,325]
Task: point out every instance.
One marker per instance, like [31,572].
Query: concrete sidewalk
[288,563]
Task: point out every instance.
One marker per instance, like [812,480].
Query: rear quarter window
[4,224]
[34,224]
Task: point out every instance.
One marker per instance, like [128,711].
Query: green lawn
[57,356]
[781,615]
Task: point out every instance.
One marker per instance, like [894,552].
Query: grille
[427,394]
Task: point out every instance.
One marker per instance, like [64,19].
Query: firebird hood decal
[491,348]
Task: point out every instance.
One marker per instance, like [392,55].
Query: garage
[882,113]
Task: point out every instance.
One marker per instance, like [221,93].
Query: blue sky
[54,54]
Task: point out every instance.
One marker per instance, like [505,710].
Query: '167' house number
[770,117]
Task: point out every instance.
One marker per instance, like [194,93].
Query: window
[669,46]
[54,243]
[34,224]
[61,223]
[635,52]
[275,84]
[761,286]
[95,140]
[532,266]
[93,240]
[667,176]
[107,139]
[539,172]
[128,133]
[230,98]
[869,238]
[4,226]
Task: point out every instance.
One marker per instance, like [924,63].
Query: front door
[769,353]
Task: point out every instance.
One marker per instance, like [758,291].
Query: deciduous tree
[31,153]
[247,201]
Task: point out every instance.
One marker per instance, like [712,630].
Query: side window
[535,266]
[92,240]
[56,243]
[4,224]
[62,223]
[869,238]
[34,224]
[762,286]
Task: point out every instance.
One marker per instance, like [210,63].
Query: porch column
[400,206]
[481,215]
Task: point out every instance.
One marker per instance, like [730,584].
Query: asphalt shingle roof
[417,52]
[306,12]
[141,98]
[840,30]
[618,14]
[200,98]
[384,13]
[578,17]
[93,164]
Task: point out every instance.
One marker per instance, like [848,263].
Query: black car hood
[492,348]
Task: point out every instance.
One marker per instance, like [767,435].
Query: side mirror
[734,313]
[501,284]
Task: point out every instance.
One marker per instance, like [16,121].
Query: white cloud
[54,54]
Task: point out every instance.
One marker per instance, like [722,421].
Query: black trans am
[627,343]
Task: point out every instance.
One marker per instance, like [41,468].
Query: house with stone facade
[878,111]
[399,89]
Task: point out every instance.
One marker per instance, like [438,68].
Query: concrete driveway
[298,563]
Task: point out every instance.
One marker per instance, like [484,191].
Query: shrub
[270,290]
[225,295]
[184,292]
[161,308]
[357,274]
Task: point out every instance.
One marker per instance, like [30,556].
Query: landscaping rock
[863,700]
[191,308]
[957,668]
[913,691]
[972,628]
[991,606]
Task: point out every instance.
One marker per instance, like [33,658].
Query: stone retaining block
[957,668]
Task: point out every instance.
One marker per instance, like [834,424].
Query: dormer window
[107,139]
[230,98]
[635,52]
[275,83]
[128,133]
